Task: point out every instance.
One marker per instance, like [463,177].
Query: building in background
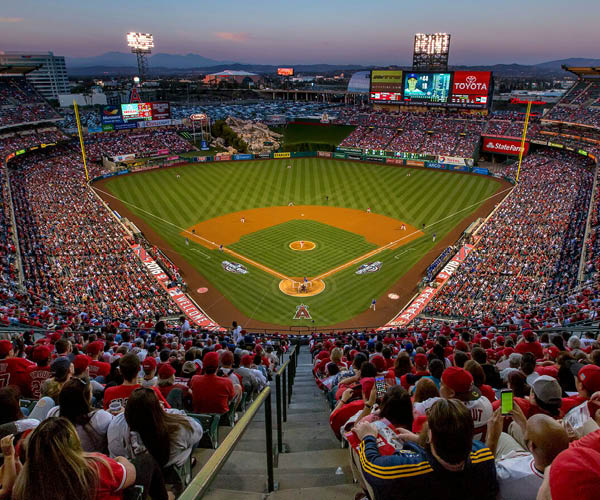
[360,82]
[50,77]
[242,78]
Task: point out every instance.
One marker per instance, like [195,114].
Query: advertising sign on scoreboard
[160,110]
[427,88]
[136,111]
[111,114]
[470,89]
[386,86]
[504,146]
[285,71]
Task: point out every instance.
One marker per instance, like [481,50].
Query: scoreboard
[459,89]
[136,111]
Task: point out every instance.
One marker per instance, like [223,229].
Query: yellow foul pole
[523,138]
[87,177]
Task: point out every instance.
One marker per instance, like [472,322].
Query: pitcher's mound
[294,287]
[302,246]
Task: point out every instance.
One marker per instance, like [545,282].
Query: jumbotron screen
[470,89]
[285,71]
[386,86]
[136,111]
[426,88]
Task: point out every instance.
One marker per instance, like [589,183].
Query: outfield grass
[439,199]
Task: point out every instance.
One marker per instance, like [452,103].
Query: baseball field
[255,240]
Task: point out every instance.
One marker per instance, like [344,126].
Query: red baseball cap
[166,371]
[211,360]
[41,353]
[458,379]
[94,347]
[149,363]
[553,351]
[589,376]
[421,359]
[246,360]
[5,347]
[81,362]
[379,363]
[575,473]
[462,346]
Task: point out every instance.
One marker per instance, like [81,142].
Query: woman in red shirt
[57,467]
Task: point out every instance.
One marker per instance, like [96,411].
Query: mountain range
[120,63]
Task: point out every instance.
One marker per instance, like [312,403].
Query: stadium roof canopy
[583,71]
[230,72]
[18,69]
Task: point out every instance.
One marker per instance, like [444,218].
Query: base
[292,287]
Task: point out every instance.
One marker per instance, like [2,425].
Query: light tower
[141,45]
[431,52]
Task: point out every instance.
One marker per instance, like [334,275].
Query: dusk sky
[369,32]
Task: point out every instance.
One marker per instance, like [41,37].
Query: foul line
[326,274]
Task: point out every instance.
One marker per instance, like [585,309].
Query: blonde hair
[56,466]
[336,355]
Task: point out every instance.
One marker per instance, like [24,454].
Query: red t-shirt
[36,376]
[570,403]
[111,478]
[211,393]
[99,369]
[534,348]
[488,392]
[122,393]
[13,371]
[340,416]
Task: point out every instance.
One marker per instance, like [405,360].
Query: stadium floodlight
[431,51]
[141,45]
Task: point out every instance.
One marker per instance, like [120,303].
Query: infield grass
[440,199]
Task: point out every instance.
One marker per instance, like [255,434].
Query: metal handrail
[283,394]
[202,481]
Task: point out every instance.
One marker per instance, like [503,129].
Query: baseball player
[368,210]
[403,227]
[434,237]
[221,247]
[301,244]
[243,220]
[373,302]
[187,242]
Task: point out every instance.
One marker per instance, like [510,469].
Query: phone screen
[506,402]
[380,386]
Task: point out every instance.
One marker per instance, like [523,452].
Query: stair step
[223,494]
[322,459]
[335,492]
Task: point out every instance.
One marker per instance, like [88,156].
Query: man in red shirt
[130,369]
[211,393]
[530,344]
[13,371]
[97,368]
[40,371]
[587,382]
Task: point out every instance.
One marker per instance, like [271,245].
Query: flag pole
[87,177]
[523,138]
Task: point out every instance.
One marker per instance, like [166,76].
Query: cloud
[11,19]
[233,37]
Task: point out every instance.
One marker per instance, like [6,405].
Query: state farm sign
[471,82]
[504,146]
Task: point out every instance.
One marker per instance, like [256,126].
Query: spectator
[211,393]
[62,369]
[587,382]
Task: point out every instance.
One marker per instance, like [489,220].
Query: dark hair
[436,368]
[10,409]
[61,345]
[332,369]
[475,369]
[358,360]
[402,365]
[460,358]
[368,369]
[528,363]
[451,428]
[518,384]
[156,428]
[479,355]
[396,406]
[130,366]
[425,388]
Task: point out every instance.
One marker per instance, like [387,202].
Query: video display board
[160,110]
[471,89]
[386,86]
[136,111]
[285,71]
[426,88]
[111,114]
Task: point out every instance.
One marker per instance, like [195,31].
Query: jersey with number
[13,371]
[36,376]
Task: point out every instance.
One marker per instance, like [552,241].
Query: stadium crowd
[424,416]
[20,103]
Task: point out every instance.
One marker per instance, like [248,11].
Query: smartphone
[506,401]
[380,387]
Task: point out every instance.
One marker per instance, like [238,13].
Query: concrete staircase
[313,464]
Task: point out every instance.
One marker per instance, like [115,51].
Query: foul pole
[87,177]
[523,138]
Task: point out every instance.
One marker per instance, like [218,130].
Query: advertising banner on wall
[282,155]
[451,160]
[111,114]
[504,146]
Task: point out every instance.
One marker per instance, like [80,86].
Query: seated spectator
[530,344]
[169,436]
[62,369]
[254,381]
[211,393]
[91,425]
[425,389]
[97,368]
[12,369]
[517,382]
[227,370]
[149,367]
[177,394]
[528,367]
[129,366]
[476,371]
[587,382]
[57,467]
[12,420]
[40,372]
[451,465]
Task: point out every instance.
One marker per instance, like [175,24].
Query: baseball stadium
[228,280]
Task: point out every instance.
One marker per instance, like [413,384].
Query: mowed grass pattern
[439,199]
[271,247]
